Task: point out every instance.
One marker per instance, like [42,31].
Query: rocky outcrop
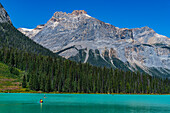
[31,32]
[105,53]
[147,35]
[4,17]
[78,12]
[112,53]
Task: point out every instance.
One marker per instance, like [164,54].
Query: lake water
[83,103]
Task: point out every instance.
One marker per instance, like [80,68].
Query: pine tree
[31,80]
[24,83]
[48,84]
[42,83]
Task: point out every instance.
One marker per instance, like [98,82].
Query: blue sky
[120,13]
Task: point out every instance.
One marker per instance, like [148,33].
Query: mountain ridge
[4,17]
[10,37]
[74,36]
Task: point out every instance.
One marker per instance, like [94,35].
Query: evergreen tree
[48,84]
[24,83]
[49,74]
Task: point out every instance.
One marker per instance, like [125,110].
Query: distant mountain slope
[80,37]
[11,37]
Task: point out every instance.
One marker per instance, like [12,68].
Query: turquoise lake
[83,103]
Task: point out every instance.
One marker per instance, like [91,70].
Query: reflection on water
[41,106]
[73,103]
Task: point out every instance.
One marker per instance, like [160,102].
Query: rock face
[80,37]
[4,17]
[78,12]
[31,32]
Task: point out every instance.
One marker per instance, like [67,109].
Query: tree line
[10,37]
[54,74]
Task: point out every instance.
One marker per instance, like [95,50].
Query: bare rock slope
[4,17]
[80,37]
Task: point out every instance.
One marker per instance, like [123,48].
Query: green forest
[10,37]
[47,72]
[52,74]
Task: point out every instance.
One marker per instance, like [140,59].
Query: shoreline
[39,92]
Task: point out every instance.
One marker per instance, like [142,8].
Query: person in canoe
[41,101]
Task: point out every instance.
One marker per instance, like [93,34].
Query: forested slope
[10,37]
[50,74]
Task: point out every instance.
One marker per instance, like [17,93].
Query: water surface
[83,103]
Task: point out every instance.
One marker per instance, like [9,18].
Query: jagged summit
[145,28]
[60,14]
[75,12]
[4,17]
[78,12]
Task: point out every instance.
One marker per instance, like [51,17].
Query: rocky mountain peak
[80,37]
[78,12]
[146,28]
[59,14]
[4,17]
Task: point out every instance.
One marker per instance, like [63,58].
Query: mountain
[10,37]
[4,17]
[23,59]
[80,37]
